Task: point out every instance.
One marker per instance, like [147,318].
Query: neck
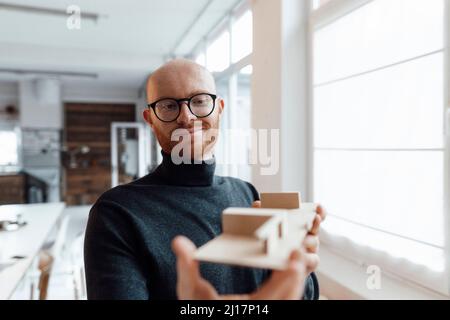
[199,173]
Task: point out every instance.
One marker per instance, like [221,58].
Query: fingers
[293,278]
[322,212]
[187,268]
[184,250]
[182,246]
[285,284]
[312,261]
[190,284]
[256,204]
[316,225]
[311,243]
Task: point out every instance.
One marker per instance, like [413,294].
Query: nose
[185,116]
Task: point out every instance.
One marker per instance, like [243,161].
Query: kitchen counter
[25,242]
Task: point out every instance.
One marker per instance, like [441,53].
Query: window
[8,146]
[233,151]
[242,122]
[379,151]
[318,3]
[227,54]
[248,70]
[218,53]
[223,147]
[201,59]
[242,35]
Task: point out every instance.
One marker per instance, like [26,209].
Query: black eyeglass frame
[188,100]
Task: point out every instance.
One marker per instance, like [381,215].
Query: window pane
[378,34]
[416,252]
[8,147]
[242,31]
[218,53]
[242,116]
[398,107]
[201,59]
[318,3]
[398,192]
[247,70]
[221,149]
[234,144]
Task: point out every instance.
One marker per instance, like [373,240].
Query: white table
[27,241]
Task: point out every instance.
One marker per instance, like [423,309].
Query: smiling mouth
[186,131]
[193,130]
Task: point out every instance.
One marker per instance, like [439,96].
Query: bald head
[179,78]
[182,79]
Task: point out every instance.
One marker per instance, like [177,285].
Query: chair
[51,251]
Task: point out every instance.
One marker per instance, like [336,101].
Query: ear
[146,114]
[221,105]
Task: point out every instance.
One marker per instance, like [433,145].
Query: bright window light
[378,110]
[242,35]
[379,163]
[380,33]
[247,70]
[201,59]
[318,3]
[218,53]
[394,191]
[8,147]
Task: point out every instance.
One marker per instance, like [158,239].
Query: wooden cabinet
[20,187]
[88,124]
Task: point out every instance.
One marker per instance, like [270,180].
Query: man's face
[183,79]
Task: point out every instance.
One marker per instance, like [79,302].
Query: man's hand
[311,241]
[282,285]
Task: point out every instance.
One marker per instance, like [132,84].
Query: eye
[167,105]
[201,100]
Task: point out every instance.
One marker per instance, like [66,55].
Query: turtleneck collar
[195,174]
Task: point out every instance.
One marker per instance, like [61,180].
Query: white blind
[378,127]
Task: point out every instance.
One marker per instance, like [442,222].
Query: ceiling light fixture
[47,11]
[50,73]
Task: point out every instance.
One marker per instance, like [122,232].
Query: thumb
[190,284]
[284,284]
[183,248]
[256,204]
[187,267]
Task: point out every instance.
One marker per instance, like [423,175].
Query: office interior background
[359,90]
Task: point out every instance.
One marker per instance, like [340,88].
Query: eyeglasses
[200,105]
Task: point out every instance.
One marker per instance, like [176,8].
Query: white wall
[98,94]
[8,93]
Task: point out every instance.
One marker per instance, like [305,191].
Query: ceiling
[129,39]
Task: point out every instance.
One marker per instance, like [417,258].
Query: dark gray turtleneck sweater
[128,238]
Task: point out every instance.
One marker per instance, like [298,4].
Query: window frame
[230,74]
[447,140]
[225,24]
[321,17]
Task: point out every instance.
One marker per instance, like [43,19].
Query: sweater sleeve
[112,267]
[255,193]
[311,288]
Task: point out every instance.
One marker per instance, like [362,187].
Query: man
[141,236]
